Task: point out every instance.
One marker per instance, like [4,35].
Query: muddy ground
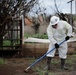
[16,66]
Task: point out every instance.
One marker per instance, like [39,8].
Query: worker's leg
[48,62]
[63,65]
[50,55]
[63,55]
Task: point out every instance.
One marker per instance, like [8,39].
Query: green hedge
[41,36]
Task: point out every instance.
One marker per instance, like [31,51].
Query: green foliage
[42,72]
[41,36]
[8,43]
[52,74]
[55,61]
[2,61]
[5,43]
[74,17]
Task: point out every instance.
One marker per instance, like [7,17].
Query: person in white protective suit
[57,31]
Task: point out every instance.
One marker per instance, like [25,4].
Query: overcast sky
[63,6]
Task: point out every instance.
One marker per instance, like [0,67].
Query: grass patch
[55,65]
[55,61]
[52,74]
[42,72]
[2,61]
[71,59]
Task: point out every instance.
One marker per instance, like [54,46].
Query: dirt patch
[16,66]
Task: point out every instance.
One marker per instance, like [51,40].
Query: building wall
[43,28]
[30,29]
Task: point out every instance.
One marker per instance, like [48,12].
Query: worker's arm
[50,35]
[69,29]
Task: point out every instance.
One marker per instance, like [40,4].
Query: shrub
[41,36]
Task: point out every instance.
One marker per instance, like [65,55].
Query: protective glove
[67,38]
[56,45]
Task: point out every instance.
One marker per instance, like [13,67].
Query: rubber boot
[63,67]
[48,63]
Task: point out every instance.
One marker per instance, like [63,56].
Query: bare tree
[12,9]
[38,16]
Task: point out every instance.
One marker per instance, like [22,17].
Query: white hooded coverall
[57,36]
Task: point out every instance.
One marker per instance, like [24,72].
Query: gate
[11,37]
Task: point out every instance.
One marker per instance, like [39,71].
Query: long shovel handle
[43,56]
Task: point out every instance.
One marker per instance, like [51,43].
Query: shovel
[26,70]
